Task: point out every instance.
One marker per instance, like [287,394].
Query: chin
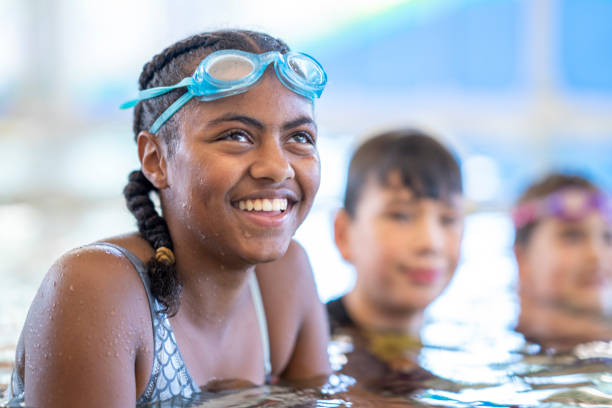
[266,253]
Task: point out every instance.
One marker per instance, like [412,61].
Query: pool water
[467,354]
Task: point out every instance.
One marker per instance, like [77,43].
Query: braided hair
[167,68]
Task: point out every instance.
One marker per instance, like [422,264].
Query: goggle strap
[154,92]
[170,111]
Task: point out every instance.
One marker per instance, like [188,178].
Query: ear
[342,226]
[152,159]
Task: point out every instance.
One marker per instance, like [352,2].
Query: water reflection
[466,354]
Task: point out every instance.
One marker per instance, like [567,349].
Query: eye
[400,216]
[302,138]
[235,135]
[572,235]
[449,219]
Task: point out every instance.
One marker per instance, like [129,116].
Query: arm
[80,344]
[294,312]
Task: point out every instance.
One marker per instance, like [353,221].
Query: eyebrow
[234,117]
[247,120]
[304,120]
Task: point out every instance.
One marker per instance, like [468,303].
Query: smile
[263,204]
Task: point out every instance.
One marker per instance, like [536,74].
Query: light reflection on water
[469,356]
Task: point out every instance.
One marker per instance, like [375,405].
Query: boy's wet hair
[551,183]
[169,67]
[426,167]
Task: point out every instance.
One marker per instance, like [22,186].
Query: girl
[228,142]
[563,248]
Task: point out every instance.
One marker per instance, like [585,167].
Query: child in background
[401,228]
[563,247]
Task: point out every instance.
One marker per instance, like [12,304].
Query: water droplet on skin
[71,288]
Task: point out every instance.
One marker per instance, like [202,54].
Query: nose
[428,235]
[271,162]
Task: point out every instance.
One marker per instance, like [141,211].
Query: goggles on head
[570,204]
[230,72]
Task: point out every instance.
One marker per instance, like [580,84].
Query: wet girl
[226,137]
[563,247]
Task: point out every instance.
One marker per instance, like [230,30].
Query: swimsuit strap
[261,319]
[169,375]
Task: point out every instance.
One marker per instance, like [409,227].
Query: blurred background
[515,87]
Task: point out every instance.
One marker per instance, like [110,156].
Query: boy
[401,228]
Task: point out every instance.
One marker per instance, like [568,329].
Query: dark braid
[165,285]
[169,67]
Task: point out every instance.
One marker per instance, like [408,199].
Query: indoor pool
[468,353]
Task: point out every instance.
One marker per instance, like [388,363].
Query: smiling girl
[226,137]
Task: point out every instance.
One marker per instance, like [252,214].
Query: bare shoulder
[291,270]
[297,323]
[85,324]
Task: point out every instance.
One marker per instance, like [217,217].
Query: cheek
[309,173]
[550,268]
[453,247]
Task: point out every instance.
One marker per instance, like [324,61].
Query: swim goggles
[230,72]
[571,204]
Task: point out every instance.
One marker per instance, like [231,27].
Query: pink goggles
[571,204]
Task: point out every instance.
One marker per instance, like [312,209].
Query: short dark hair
[426,167]
[543,187]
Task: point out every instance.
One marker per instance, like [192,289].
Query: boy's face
[569,263]
[404,249]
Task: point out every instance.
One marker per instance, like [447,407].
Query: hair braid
[165,285]
[169,67]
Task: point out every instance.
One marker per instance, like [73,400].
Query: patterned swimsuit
[169,375]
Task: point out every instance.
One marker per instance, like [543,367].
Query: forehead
[269,101]
[594,220]
[395,192]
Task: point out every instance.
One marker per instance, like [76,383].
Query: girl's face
[569,263]
[404,249]
[244,173]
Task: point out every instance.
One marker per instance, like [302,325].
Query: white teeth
[263,204]
[276,205]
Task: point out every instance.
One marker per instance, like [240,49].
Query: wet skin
[412,252]
[87,340]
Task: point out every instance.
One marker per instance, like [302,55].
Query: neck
[371,316]
[211,290]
